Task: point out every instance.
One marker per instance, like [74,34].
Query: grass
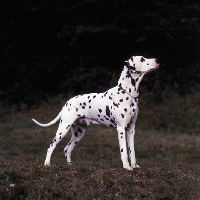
[170,163]
[175,113]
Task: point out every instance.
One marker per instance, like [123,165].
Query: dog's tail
[50,123]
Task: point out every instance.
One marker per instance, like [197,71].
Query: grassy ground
[170,163]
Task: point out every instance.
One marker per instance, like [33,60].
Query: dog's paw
[135,166]
[127,167]
[47,164]
[69,163]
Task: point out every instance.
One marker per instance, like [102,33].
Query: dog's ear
[127,64]
[131,67]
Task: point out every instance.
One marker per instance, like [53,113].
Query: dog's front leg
[123,148]
[130,140]
[131,147]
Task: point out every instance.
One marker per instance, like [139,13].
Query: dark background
[49,47]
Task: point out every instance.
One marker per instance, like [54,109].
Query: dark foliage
[50,47]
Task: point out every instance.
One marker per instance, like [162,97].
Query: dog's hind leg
[78,131]
[64,126]
[61,132]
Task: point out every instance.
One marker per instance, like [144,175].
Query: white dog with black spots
[117,107]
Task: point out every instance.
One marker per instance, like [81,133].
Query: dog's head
[141,65]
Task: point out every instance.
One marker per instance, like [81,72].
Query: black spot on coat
[79,130]
[76,134]
[115,104]
[107,111]
[142,59]
[133,82]
[132,104]
[67,126]
[112,121]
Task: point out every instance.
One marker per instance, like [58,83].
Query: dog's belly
[86,121]
[89,121]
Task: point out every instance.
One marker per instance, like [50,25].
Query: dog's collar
[120,87]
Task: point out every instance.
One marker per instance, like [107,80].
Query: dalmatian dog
[117,107]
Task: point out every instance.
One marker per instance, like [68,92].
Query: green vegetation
[175,114]
[169,158]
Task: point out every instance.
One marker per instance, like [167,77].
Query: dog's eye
[142,59]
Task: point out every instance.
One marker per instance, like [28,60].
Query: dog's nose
[157,61]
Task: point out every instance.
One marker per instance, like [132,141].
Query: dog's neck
[130,82]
